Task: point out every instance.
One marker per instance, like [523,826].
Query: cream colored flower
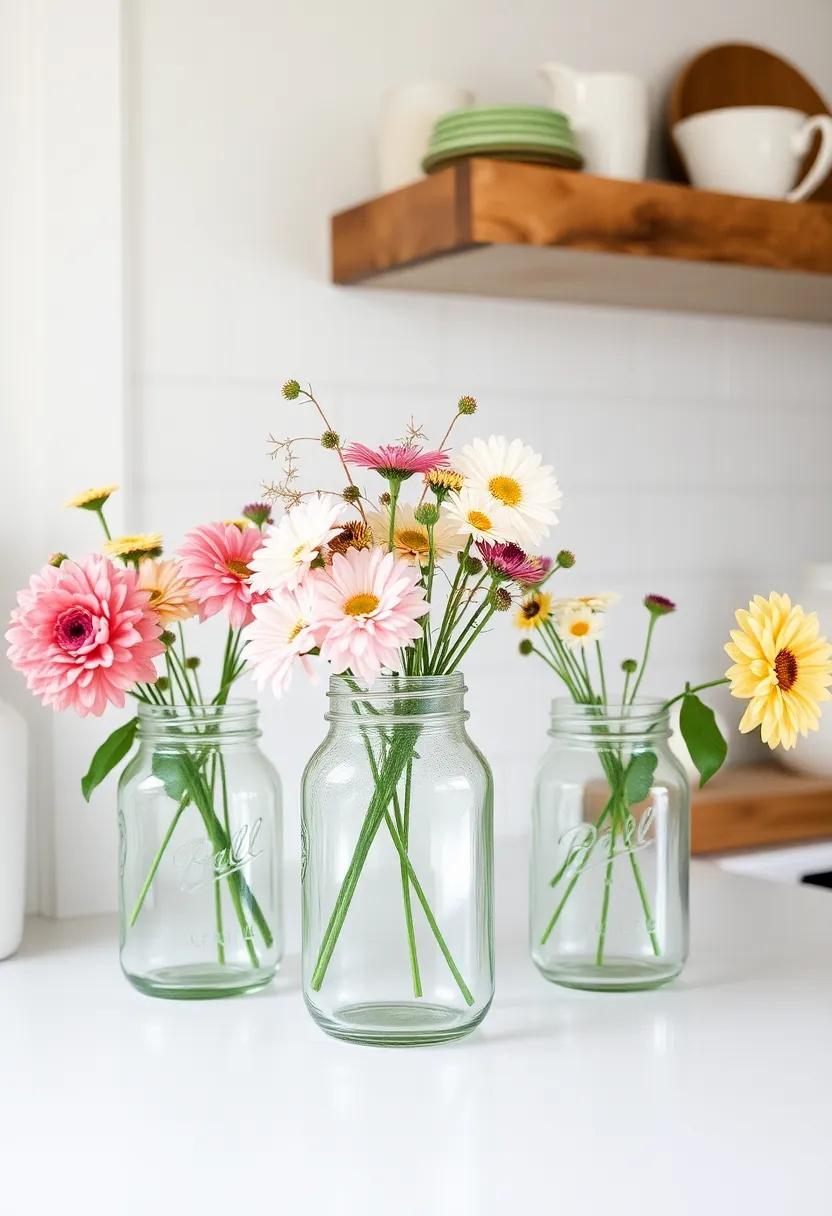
[597,603]
[474,512]
[92,499]
[577,627]
[170,591]
[410,538]
[135,547]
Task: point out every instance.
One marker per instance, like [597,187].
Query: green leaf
[111,751]
[172,772]
[639,777]
[702,736]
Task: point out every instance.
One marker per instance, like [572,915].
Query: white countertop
[712,1093]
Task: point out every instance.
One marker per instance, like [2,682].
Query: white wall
[692,451]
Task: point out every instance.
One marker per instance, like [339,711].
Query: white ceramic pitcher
[609,113]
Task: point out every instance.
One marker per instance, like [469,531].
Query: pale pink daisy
[296,542]
[395,461]
[366,606]
[510,561]
[281,633]
[216,559]
[83,634]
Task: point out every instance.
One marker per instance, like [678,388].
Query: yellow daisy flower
[410,538]
[132,548]
[577,627]
[444,479]
[781,666]
[170,591]
[240,523]
[92,499]
[533,611]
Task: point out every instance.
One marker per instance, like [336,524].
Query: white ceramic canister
[408,115]
[13,764]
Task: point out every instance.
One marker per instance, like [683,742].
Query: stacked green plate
[528,133]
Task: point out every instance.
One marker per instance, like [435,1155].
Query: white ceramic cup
[754,150]
[408,115]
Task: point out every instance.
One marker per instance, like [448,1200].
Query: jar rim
[397,699]
[642,716]
[236,714]
[383,687]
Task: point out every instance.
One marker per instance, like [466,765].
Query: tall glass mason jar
[200,833]
[610,850]
[397,867]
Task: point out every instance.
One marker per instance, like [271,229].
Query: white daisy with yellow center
[291,547]
[475,513]
[578,627]
[600,602]
[516,481]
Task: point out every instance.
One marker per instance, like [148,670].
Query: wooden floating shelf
[499,228]
[748,808]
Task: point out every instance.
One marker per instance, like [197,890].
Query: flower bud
[629,666]
[659,605]
[167,638]
[500,598]
[385,498]
[566,559]
[192,662]
[525,646]
[351,494]
[467,405]
[57,559]
[473,565]
[260,513]
[291,390]
[426,515]
[163,684]
[330,440]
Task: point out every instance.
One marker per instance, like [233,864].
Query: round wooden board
[739,74]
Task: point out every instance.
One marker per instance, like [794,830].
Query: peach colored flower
[171,596]
[216,558]
[83,634]
[367,604]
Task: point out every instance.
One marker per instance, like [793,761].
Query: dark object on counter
[822,879]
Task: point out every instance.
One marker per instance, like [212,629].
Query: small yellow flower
[133,548]
[170,592]
[444,479]
[533,611]
[242,524]
[93,499]
[781,666]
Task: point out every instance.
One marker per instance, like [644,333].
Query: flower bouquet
[198,806]
[397,800]
[611,802]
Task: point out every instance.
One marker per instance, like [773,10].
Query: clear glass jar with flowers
[199,810]
[397,800]
[610,823]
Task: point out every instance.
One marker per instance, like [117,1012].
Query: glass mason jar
[397,866]
[200,829]
[610,850]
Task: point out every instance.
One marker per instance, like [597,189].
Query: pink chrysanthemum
[366,606]
[394,460]
[543,565]
[83,633]
[510,561]
[215,557]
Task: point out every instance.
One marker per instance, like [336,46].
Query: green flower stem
[650,627]
[100,513]
[148,882]
[431,919]
[403,823]
[395,489]
[600,657]
[605,902]
[645,902]
[400,752]
[696,688]
[468,633]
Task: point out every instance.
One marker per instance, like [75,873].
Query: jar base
[202,981]
[615,975]
[397,1023]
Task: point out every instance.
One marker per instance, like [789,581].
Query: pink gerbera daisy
[395,461]
[215,557]
[510,561]
[83,633]
[281,633]
[367,604]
